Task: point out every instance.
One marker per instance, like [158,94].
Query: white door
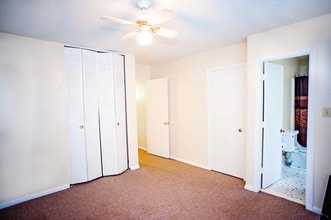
[91,115]
[83,120]
[157,117]
[112,112]
[120,112]
[107,114]
[273,120]
[75,114]
[226,109]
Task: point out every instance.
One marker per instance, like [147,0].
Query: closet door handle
[118,124]
[81,127]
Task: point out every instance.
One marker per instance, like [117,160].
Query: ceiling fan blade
[117,20]
[160,17]
[129,35]
[163,32]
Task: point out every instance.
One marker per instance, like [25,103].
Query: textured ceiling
[202,24]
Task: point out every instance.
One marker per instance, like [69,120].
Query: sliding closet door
[91,115]
[75,113]
[120,111]
[107,114]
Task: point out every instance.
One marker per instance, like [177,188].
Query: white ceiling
[202,24]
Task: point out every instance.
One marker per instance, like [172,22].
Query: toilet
[294,153]
[289,141]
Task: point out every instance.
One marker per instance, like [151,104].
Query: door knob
[81,127]
[166,123]
[118,124]
[240,130]
[281,131]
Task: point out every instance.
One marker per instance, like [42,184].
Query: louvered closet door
[91,115]
[73,69]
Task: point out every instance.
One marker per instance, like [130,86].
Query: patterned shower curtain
[301,108]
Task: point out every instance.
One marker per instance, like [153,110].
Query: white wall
[143,72]
[130,80]
[313,33]
[33,133]
[291,67]
[141,113]
[188,100]
[34,157]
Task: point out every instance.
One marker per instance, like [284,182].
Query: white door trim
[245,104]
[312,52]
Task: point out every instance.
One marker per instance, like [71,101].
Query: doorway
[141,113]
[153,116]
[285,126]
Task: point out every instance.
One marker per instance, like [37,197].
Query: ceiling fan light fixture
[144,38]
[143,4]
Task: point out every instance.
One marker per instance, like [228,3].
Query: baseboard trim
[134,167]
[190,162]
[33,196]
[142,148]
[317,210]
[250,188]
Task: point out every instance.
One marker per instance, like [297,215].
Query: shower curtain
[301,108]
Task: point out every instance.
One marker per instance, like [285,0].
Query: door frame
[243,65]
[312,52]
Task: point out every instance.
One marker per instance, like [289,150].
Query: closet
[96,111]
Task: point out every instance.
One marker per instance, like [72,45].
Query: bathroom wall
[292,66]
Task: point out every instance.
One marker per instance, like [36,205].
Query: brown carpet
[160,189]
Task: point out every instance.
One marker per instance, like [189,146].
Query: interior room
[123,109]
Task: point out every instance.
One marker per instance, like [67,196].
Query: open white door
[226,118]
[273,120]
[157,117]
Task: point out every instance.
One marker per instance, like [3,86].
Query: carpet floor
[160,189]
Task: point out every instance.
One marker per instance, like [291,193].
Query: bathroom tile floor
[291,186]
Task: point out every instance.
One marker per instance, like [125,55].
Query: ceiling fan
[146,26]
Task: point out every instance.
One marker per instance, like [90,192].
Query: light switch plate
[327,112]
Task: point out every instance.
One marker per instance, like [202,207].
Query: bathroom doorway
[285,119]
